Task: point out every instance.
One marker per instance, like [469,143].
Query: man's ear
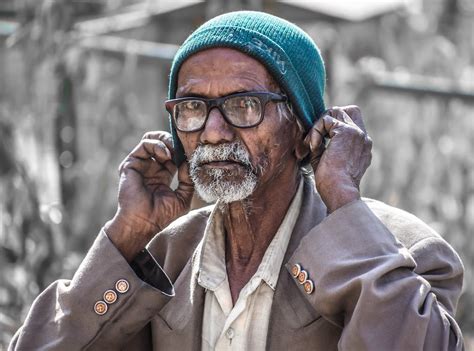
[301,150]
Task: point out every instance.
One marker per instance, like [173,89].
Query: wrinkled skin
[147,204]
[338,169]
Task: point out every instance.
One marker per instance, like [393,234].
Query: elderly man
[282,261]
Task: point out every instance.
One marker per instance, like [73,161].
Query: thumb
[315,141]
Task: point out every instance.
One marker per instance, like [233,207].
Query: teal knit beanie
[288,53]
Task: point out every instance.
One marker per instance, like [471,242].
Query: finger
[326,126]
[359,128]
[163,136]
[331,125]
[316,156]
[185,189]
[366,157]
[147,168]
[354,113]
[315,137]
[339,114]
[151,148]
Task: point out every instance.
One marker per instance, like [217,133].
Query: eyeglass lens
[241,111]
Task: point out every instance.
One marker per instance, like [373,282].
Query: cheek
[278,141]
[189,141]
[271,152]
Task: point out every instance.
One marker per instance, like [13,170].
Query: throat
[238,276]
[245,245]
[250,226]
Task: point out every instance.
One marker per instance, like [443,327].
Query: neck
[250,226]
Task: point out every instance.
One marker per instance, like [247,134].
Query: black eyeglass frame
[263,96]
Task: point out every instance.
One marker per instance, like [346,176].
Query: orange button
[110,296]
[100,308]
[122,286]
[295,270]
[302,276]
[308,286]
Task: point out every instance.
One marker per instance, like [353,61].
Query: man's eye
[247,103]
[193,105]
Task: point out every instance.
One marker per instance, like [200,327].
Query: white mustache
[235,152]
[217,187]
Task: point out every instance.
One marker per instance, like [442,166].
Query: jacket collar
[184,312]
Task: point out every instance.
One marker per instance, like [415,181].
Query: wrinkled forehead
[225,66]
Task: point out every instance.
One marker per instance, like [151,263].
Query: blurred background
[82,80]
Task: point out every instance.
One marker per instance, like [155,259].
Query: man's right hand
[146,203]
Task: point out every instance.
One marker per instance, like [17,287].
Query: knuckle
[369,141]
[154,134]
[165,135]
[148,143]
[159,145]
[354,131]
[330,112]
[353,109]
[147,135]
[125,165]
[157,135]
[327,118]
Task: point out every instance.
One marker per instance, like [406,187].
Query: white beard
[218,185]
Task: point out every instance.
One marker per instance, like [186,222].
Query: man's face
[226,162]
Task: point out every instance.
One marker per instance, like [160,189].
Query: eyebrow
[201,96]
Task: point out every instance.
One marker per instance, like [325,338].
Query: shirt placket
[230,331]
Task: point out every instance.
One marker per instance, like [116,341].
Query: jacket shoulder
[175,245]
[406,227]
[435,258]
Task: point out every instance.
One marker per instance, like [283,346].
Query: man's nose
[217,130]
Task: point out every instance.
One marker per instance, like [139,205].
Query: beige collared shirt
[243,326]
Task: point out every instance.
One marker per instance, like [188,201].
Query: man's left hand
[339,166]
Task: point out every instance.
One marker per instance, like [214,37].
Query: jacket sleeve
[63,317]
[383,295]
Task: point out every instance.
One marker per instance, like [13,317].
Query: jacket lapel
[182,316]
[290,309]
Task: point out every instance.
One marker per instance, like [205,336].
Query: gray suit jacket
[383,281]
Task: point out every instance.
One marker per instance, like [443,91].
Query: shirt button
[230,333]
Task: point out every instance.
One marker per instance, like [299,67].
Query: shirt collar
[212,269]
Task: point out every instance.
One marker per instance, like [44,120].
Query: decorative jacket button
[100,308]
[110,296]
[302,277]
[308,286]
[295,270]
[122,286]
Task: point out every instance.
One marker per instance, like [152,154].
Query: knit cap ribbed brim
[288,53]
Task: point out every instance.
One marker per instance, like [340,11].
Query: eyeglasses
[241,110]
